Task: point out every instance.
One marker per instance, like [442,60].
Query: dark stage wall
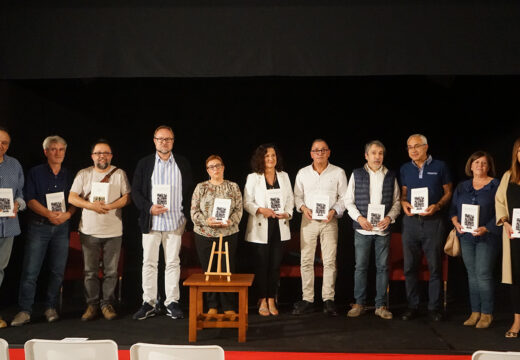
[231,116]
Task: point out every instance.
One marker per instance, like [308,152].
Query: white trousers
[171,242]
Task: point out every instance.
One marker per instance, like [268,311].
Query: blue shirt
[41,181]
[11,176]
[433,175]
[465,193]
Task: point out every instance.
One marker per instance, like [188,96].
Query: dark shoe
[145,312]
[329,308]
[174,311]
[435,315]
[302,307]
[409,314]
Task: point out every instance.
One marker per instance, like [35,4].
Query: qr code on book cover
[469,221]
[5,204]
[220,213]
[517,226]
[320,209]
[375,219]
[162,199]
[275,204]
[99,198]
[56,206]
[418,202]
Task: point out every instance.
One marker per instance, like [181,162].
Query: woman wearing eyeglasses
[208,227]
[269,200]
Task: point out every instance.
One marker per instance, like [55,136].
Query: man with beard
[102,191]
[162,225]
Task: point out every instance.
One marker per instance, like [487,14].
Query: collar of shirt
[382,169]
[159,160]
[428,161]
[324,170]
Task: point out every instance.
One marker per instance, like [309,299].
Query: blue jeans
[423,234]
[6,245]
[363,246]
[43,240]
[479,255]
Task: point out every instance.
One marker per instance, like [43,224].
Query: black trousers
[268,258]
[203,245]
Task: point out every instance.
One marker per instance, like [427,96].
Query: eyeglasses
[97,153]
[214,167]
[320,151]
[163,139]
[415,147]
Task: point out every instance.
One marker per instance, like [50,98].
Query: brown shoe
[3,324]
[90,314]
[231,315]
[473,319]
[485,321]
[357,310]
[108,312]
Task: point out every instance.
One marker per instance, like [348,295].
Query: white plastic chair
[37,349]
[495,355]
[141,351]
[4,350]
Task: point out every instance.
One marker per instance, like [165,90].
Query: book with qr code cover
[375,213]
[320,207]
[6,202]
[274,200]
[161,195]
[419,200]
[56,201]
[515,223]
[221,208]
[99,192]
[469,217]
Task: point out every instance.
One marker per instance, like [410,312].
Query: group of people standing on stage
[321,193]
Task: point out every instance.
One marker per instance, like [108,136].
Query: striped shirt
[168,173]
[11,177]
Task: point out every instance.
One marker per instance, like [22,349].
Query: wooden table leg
[193,314]
[242,314]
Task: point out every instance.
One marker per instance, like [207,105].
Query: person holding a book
[319,194]
[216,210]
[507,203]
[426,190]
[472,213]
[46,193]
[373,204]
[11,201]
[269,200]
[101,191]
[162,188]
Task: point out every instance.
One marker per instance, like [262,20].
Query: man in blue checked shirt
[11,178]
[162,190]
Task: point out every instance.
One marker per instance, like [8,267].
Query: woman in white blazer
[269,200]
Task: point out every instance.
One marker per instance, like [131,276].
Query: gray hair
[49,140]
[422,137]
[376,143]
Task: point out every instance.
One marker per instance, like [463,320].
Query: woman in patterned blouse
[208,228]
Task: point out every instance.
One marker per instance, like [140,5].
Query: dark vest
[362,192]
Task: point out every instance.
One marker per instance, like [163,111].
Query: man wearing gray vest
[372,201]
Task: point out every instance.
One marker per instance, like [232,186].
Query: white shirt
[376,195]
[331,182]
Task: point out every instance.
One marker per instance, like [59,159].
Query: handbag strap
[104,180]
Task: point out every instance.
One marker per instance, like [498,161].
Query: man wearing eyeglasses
[101,191]
[159,223]
[423,232]
[321,181]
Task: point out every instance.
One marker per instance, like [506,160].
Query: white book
[100,192]
[6,202]
[419,200]
[56,201]
[274,200]
[161,195]
[375,213]
[221,208]
[320,207]
[469,217]
[515,223]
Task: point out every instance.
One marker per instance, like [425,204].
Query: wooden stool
[199,320]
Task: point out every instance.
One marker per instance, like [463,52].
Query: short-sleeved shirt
[41,180]
[101,225]
[433,175]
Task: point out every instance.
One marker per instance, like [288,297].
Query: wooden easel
[219,261]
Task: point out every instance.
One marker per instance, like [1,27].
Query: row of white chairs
[75,349]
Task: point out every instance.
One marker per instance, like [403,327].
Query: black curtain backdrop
[192,38]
